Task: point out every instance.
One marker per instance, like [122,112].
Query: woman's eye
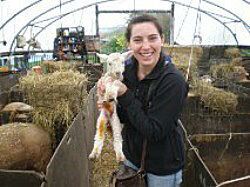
[137,40]
[153,38]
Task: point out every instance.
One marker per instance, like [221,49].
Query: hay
[181,54]
[53,66]
[216,99]
[237,61]
[56,97]
[105,165]
[211,97]
[228,72]
[232,52]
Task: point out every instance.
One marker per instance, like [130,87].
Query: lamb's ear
[103,57]
[127,54]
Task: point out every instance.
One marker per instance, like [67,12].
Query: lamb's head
[114,63]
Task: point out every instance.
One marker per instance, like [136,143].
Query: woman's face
[146,43]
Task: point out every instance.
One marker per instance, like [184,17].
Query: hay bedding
[104,166]
[56,98]
[216,99]
[53,66]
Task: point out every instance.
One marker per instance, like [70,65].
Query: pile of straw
[232,52]
[228,72]
[56,97]
[181,55]
[53,66]
[216,99]
[105,165]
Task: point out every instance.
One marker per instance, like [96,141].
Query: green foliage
[116,44]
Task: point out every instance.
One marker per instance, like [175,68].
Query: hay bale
[24,147]
[182,53]
[53,66]
[232,52]
[228,72]
[216,99]
[237,61]
[56,97]
[180,56]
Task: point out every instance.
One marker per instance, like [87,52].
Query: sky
[210,30]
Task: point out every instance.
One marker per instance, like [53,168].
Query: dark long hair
[142,19]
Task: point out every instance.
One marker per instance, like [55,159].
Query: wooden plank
[17,178]
[69,164]
[91,115]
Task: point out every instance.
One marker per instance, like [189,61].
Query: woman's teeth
[146,54]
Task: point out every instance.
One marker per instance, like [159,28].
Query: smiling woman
[150,100]
[146,43]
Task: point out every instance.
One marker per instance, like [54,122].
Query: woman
[157,121]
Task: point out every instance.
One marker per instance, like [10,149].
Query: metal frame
[19,12]
[171,12]
[211,14]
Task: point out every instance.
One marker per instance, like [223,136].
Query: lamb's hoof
[93,156]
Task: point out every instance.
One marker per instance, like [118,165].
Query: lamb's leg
[117,129]
[99,136]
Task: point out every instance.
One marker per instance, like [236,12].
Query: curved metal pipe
[66,14]
[19,12]
[244,23]
[48,10]
[205,12]
[246,2]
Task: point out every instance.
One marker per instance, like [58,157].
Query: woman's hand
[122,88]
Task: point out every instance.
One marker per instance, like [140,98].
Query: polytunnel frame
[181,4]
[48,10]
[19,12]
[96,3]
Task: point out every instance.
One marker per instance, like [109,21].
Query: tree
[115,44]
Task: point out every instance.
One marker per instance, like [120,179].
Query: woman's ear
[162,40]
[128,46]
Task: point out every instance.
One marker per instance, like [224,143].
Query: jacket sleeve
[166,105]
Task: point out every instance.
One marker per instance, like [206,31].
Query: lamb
[107,94]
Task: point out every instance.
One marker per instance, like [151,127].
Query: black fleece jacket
[157,122]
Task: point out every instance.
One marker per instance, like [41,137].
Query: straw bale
[216,99]
[237,61]
[228,72]
[52,66]
[182,53]
[56,97]
[232,52]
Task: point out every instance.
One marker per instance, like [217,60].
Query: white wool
[114,70]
